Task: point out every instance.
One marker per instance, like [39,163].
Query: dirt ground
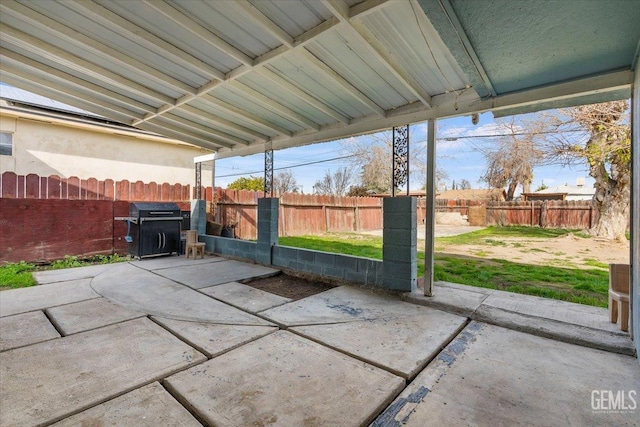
[289,286]
[565,251]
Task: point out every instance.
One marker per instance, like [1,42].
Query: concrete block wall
[336,266]
[399,243]
[228,246]
[268,210]
[199,215]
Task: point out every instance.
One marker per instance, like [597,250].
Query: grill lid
[153,210]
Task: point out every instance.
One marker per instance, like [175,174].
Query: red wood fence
[553,213]
[73,188]
[49,217]
[299,213]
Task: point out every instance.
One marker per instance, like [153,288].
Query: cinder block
[400,220]
[401,270]
[366,265]
[199,216]
[354,276]
[325,259]
[312,268]
[399,204]
[333,272]
[407,237]
[268,203]
[346,262]
[306,256]
[395,284]
[399,253]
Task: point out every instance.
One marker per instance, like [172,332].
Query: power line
[355,155]
[288,167]
[501,135]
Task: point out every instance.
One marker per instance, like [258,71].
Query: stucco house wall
[61,144]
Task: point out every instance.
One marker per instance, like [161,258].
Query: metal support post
[198,189]
[634,288]
[430,209]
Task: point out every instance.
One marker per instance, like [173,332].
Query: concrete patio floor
[176,342]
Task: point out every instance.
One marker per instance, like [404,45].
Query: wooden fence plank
[9,185]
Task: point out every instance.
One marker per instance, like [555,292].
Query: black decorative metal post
[268,173]
[400,159]
[198,189]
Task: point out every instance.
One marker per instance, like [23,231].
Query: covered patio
[244,77]
[170,341]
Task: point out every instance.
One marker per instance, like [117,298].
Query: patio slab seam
[553,326]
[199,347]
[408,378]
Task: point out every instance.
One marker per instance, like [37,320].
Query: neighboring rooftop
[473,194]
[16,95]
[564,192]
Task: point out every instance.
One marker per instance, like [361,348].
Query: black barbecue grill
[154,229]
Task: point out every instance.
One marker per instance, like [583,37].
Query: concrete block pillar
[268,209]
[399,243]
[199,216]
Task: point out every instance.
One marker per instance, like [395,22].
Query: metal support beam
[400,174]
[214,204]
[635,210]
[430,209]
[268,173]
[198,189]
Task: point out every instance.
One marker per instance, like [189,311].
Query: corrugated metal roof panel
[282,97]
[349,58]
[226,20]
[417,47]
[246,103]
[305,76]
[155,23]
[298,72]
[294,17]
[202,104]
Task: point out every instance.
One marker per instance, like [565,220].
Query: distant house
[562,192]
[44,137]
[494,194]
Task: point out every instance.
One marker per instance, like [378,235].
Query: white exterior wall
[90,151]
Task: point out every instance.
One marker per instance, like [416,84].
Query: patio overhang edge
[455,104]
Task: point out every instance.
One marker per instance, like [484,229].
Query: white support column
[430,209]
[214,205]
[635,209]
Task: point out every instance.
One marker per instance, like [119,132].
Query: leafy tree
[255,183]
[335,184]
[603,142]
[285,182]
[511,158]
[542,186]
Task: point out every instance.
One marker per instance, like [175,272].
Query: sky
[456,154]
[459,158]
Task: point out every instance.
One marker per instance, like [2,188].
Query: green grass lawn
[18,274]
[584,286]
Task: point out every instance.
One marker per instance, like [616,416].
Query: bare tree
[336,184]
[285,182]
[603,141]
[511,159]
[464,184]
[372,154]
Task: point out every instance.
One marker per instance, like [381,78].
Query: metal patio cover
[235,75]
